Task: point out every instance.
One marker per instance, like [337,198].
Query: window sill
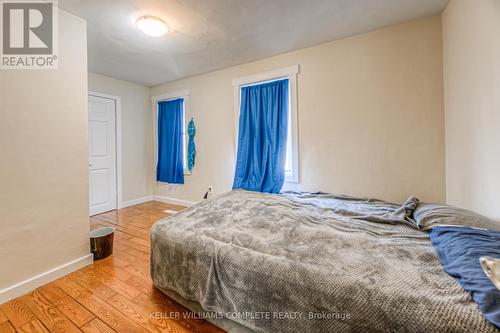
[290,186]
[292,179]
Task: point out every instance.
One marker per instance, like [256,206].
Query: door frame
[118,143]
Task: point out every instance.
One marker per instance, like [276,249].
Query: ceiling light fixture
[152,26]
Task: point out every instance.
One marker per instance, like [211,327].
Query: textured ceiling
[213,34]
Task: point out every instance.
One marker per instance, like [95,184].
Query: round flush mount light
[152,26]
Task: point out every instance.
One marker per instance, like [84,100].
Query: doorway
[103,166]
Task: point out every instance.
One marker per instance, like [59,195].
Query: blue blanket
[459,250]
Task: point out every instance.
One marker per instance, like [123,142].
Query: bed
[308,262]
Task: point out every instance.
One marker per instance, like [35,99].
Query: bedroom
[394,100]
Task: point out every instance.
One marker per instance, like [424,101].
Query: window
[292,159]
[184,95]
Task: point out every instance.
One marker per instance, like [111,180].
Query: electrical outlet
[211,189]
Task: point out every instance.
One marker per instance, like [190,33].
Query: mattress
[310,262]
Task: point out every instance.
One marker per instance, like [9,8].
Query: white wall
[471,31]
[136,124]
[44,165]
[370,116]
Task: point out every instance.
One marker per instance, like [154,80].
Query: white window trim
[282,73]
[184,94]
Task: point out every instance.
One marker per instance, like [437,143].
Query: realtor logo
[28,36]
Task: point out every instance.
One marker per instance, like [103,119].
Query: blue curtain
[262,136]
[170,167]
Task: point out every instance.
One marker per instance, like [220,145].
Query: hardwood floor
[115,294]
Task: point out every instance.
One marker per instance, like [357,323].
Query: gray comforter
[310,263]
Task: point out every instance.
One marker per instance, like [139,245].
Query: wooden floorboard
[17,313]
[53,319]
[7,327]
[3,317]
[115,294]
[96,326]
[32,327]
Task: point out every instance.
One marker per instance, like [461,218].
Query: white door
[102,155]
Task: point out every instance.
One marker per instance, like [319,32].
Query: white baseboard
[174,201]
[39,280]
[135,201]
[160,198]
